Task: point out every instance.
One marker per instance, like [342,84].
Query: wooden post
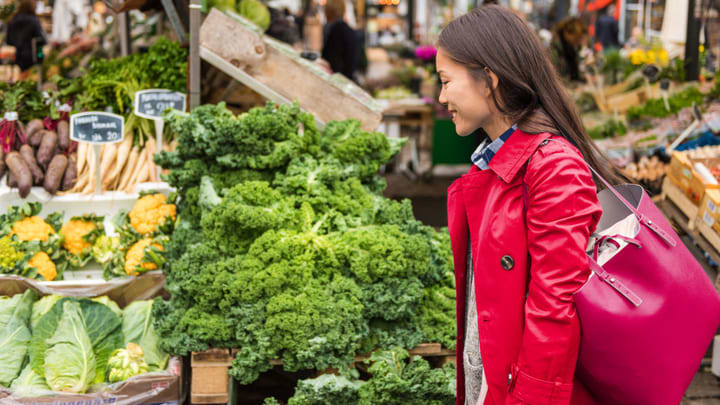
[124,33]
[692,42]
[194,64]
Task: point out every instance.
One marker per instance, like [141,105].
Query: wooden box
[698,186]
[210,380]
[680,171]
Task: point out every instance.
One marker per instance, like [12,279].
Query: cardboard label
[96,127]
[709,220]
[151,103]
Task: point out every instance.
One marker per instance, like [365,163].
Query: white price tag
[709,220]
[711,207]
[11,116]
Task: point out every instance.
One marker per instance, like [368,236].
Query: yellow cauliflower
[149,212]
[41,261]
[135,256]
[32,228]
[74,231]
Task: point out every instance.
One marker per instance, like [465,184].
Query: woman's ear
[493,78]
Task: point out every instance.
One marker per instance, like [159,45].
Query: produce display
[65,344]
[285,248]
[40,153]
[396,378]
[44,248]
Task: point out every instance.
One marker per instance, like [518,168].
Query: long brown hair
[529,91]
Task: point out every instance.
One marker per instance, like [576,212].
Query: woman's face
[468,99]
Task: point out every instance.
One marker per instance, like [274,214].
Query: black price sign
[96,127]
[151,103]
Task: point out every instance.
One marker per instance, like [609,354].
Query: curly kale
[326,389]
[248,210]
[285,248]
[396,378]
[399,379]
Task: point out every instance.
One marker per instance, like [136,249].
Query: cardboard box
[680,171]
[698,186]
[709,210]
[152,388]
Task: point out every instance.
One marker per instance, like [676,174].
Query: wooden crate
[210,383]
[210,380]
[278,73]
[671,192]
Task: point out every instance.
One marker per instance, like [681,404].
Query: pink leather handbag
[649,314]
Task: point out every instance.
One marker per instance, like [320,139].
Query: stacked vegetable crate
[210,383]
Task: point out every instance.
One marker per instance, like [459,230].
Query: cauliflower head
[32,228]
[74,232]
[135,257]
[150,212]
[44,265]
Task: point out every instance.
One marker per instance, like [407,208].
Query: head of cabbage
[72,342]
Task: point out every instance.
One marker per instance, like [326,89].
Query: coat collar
[515,153]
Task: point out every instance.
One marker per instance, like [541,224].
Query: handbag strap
[640,217]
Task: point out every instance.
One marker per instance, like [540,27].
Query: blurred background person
[25,33]
[341,48]
[570,35]
[606,28]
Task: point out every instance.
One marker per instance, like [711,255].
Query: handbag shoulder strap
[640,217]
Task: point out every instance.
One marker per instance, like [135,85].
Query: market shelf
[676,206]
[210,383]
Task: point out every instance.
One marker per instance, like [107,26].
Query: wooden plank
[427,349]
[282,72]
[209,398]
[711,242]
[677,197]
[213,357]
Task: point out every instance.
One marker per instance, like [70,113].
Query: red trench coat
[527,267]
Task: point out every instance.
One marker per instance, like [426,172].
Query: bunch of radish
[43,158]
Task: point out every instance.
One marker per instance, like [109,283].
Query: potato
[27,153]
[46,151]
[55,173]
[70,176]
[20,171]
[63,133]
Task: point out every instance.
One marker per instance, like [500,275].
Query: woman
[520,220]
[340,46]
[569,37]
[22,29]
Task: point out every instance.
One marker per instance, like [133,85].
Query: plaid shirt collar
[486,150]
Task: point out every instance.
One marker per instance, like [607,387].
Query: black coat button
[507,262]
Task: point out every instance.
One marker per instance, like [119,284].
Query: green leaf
[69,360]
[138,328]
[103,327]
[14,339]
[29,384]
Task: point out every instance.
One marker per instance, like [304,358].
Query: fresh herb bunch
[655,108]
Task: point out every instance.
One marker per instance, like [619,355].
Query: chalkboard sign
[151,103]
[96,127]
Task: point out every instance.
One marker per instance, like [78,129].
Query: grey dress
[475,385]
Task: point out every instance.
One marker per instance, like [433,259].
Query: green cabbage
[14,337]
[29,384]
[7,307]
[41,307]
[69,360]
[102,327]
[137,327]
[255,12]
[105,300]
